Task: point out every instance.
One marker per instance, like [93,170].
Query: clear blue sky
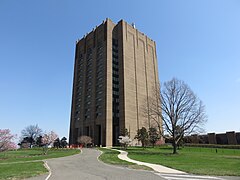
[197,41]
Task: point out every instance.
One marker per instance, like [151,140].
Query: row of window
[89,79]
[115,66]
[99,80]
[114,49]
[115,79]
[87,99]
[115,85]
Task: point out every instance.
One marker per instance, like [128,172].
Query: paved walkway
[86,166]
[155,167]
[169,173]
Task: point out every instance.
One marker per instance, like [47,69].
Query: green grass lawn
[110,157]
[20,163]
[226,162]
[21,170]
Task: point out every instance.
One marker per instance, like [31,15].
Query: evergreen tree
[142,135]
[63,142]
[153,135]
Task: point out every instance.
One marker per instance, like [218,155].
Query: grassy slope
[192,160]
[15,164]
[34,154]
[21,170]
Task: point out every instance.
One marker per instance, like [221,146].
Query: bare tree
[181,111]
[31,133]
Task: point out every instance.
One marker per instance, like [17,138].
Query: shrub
[213,146]
[85,140]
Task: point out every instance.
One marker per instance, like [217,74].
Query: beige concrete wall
[118,34]
[129,58]
[110,26]
[140,76]
[90,40]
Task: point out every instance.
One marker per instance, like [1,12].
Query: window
[115,92]
[99,44]
[115,79]
[114,42]
[89,52]
[100,67]
[115,75]
[115,62]
[99,55]
[99,99]
[99,73]
[115,96]
[99,92]
[115,82]
[99,79]
[115,89]
[89,65]
[115,85]
[98,114]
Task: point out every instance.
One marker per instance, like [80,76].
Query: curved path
[169,173]
[86,166]
[155,167]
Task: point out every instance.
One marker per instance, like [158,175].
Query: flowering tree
[6,140]
[85,140]
[47,140]
[124,141]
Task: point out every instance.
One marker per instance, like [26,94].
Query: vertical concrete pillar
[231,136]
[212,138]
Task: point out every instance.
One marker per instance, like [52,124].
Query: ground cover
[24,163]
[208,161]
[110,157]
[21,170]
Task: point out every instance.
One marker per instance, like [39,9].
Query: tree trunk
[174,147]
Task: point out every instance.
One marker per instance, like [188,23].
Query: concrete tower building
[115,72]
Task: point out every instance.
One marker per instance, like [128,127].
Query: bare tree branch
[179,109]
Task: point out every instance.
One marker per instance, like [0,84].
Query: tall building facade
[115,72]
